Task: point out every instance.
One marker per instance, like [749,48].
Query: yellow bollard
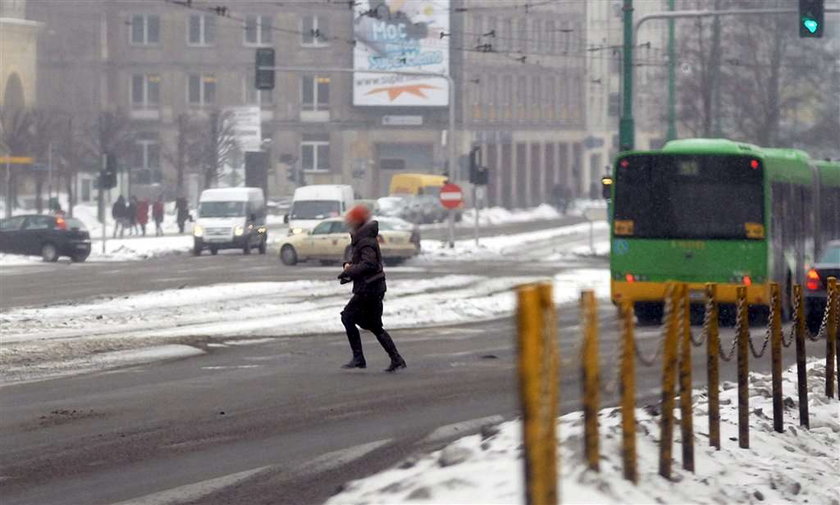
[591,378]
[669,369]
[686,416]
[628,394]
[538,379]
[831,336]
[713,365]
[776,357]
[743,335]
[801,372]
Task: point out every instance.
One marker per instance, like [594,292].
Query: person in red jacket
[142,216]
[157,215]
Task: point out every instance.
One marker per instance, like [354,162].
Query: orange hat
[358,214]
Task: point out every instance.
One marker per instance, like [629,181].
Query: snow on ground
[512,246]
[798,466]
[38,339]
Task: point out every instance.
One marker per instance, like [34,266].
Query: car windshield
[221,209]
[831,255]
[315,209]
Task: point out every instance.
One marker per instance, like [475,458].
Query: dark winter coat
[118,210]
[157,211]
[131,212]
[366,268]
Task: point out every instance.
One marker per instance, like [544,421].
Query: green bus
[714,210]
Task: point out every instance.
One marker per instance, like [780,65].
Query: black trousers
[365,311]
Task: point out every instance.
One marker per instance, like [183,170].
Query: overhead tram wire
[518,57]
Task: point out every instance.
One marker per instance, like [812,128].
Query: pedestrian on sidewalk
[118,213]
[131,215]
[157,215]
[365,270]
[142,215]
[182,212]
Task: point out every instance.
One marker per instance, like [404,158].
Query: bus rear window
[689,197]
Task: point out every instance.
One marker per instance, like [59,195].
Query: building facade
[522,91]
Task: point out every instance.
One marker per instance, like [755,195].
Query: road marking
[459,429]
[192,492]
[229,367]
[341,457]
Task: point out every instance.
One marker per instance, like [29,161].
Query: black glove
[343,278]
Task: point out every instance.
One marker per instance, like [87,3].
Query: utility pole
[672,91]
[627,127]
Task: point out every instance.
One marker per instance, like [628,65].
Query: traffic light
[264,77]
[478,173]
[811,18]
[108,175]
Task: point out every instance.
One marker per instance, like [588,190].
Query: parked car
[47,236]
[329,242]
[816,284]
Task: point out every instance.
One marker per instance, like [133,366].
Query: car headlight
[198,231]
[238,231]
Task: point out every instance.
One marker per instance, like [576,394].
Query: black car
[47,236]
[816,284]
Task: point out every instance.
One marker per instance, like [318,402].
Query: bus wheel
[697,314]
[727,315]
[649,313]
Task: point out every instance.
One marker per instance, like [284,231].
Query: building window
[145,29]
[146,163]
[521,96]
[257,30]
[316,93]
[145,91]
[314,31]
[550,36]
[254,96]
[315,155]
[201,89]
[201,30]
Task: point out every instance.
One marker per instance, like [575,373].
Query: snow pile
[552,241]
[797,466]
[500,215]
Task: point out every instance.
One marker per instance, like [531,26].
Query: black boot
[355,340]
[387,343]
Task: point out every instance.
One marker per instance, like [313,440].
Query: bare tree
[17,131]
[71,155]
[217,146]
[111,134]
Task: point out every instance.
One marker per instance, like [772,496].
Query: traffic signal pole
[672,78]
[626,132]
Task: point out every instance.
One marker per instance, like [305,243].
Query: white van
[230,218]
[312,204]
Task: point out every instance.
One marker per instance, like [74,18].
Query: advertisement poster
[401,35]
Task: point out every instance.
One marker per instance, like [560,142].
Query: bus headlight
[198,231]
[238,231]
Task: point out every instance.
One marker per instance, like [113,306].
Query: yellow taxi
[329,242]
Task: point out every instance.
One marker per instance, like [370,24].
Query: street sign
[451,196]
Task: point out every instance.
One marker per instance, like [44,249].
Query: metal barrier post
[801,372]
[713,365]
[669,366]
[628,395]
[743,369]
[776,356]
[538,408]
[591,379]
[686,417]
[831,336]
[551,386]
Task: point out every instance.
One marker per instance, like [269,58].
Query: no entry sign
[451,196]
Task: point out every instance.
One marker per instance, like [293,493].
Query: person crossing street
[365,270]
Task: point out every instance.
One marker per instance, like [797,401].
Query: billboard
[400,35]
[246,127]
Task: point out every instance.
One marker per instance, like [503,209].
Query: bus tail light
[746,281]
[812,280]
[630,278]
